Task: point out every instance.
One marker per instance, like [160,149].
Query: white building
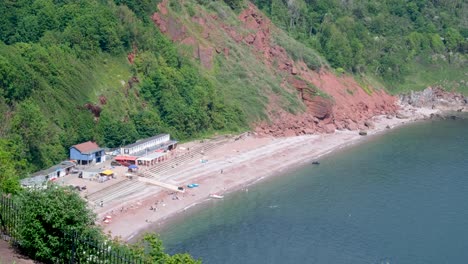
[162,141]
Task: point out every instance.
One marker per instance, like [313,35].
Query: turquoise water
[401,197]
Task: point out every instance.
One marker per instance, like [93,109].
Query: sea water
[400,197]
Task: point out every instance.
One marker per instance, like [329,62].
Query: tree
[234,4]
[12,163]
[453,39]
[47,216]
[151,248]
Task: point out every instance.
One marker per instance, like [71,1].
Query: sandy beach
[233,164]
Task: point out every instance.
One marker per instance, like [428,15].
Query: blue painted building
[87,153]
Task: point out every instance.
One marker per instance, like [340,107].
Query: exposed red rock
[226,52]
[332,102]
[95,109]
[206,56]
[131,55]
[177,32]
[102,100]
[349,105]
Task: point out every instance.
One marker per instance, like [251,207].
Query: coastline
[233,165]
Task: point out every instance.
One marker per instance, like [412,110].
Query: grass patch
[365,83]
[298,51]
[425,73]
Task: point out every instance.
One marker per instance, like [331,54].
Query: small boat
[315,162]
[216,196]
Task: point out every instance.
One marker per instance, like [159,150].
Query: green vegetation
[65,79]
[54,225]
[391,39]
[298,51]
[240,76]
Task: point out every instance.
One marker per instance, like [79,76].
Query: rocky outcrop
[436,97]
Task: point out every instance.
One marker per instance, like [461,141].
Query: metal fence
[78,248]
[9,218]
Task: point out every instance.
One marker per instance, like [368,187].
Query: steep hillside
[68,74]
[116,71]
[405,44]
[259,66]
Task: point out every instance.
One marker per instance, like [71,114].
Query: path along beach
[233,165]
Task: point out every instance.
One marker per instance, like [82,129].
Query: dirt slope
[329,101]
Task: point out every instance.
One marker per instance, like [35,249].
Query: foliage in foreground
[55,226]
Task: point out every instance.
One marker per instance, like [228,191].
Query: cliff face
[328,101]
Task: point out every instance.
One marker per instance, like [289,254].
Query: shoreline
[232,166]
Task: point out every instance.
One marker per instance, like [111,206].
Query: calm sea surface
[401,197]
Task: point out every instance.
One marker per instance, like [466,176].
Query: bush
[46,217]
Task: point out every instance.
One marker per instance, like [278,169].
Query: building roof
[61,166]
[145,140]
[130,158]
[87,147]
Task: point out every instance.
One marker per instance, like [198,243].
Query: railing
[9,218]
[79,248]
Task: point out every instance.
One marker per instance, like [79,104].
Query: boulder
[363,133]
[401,116]
[329,128]
[289,133]
[320,107]
[369,124]
[352,125]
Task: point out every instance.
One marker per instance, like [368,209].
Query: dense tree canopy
[65,79]
[379,37]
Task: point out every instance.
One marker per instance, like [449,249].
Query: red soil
[346,106]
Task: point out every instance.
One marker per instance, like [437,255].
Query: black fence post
[73,247]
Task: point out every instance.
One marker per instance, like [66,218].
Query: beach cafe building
[87,153]
[162,141]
